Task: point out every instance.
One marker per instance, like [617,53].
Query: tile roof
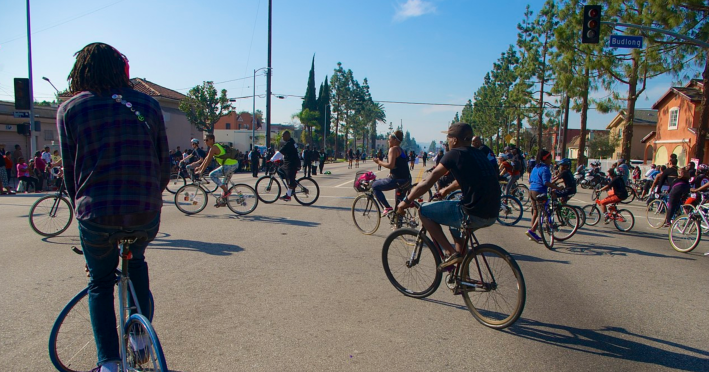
[147,87]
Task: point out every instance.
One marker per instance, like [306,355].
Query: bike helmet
[703,168]
[564,161]
[195,141]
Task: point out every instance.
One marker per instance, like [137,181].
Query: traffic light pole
[652,29]
[33,144]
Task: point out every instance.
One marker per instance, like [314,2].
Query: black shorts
[565,193]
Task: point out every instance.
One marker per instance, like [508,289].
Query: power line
[221,82]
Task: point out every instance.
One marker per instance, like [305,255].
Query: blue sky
[434,51]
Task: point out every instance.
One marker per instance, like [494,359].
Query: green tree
[432,147]
[204,108]
[310,100]
[338,97]
[309,120]
[324,108]
[602,145]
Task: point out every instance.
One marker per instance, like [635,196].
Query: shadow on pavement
[215,249]
[527,258]
[598,250]
[329,207]
[280,220]
[444,303]
[613,342]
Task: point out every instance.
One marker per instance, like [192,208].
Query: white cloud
[413,8]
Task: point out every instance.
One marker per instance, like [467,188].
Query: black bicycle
[51,215]
[488,278]
[268,189]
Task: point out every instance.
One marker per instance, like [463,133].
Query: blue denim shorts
[444,212]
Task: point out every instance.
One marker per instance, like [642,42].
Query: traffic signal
[591,24]
[22,94]
[23,129]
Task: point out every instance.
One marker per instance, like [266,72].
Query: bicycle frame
[124,284]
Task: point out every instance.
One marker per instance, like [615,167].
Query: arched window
[681,155]
[661,156]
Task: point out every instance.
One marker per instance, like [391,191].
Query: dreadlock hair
[98,68]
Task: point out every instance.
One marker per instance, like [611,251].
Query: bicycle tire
[365,213]
[268,189]
[631,195]
[191,199]
[403,245]
[581,214]
[151,356]
[545,228]
[175,183]
[71,341]
[500,275]
[242,199]
[569,220]
[593,214]
[306,191]
[455,195]
[521,192]
[655,213]
[56,217]
[623,220]
[511,210]
[685,241]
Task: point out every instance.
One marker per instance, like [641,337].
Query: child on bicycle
[618,192]
[476,177]
[539,181]
[567,178]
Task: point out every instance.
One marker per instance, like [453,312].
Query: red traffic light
[593,13]
[592,24]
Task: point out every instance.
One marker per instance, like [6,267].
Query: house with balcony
[644,122]
[678,112]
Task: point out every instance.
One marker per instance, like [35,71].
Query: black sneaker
[451,260]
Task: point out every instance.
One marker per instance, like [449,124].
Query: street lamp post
[324,129]
[253,112]
[50,83]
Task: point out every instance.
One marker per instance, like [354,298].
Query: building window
[674,118]
[48,135]
[228,125]
[620,133]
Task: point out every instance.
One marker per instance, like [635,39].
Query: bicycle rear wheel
[581,213]
[144,350]
[51,215]
[243,199]
[511,210]
[593,214]
[631,195]
[496,299]
[655,213]
[566,224]
[306,191]
[191,199]
[176,181]
[623,220]
[366,214]
[685,234]
[71,341]
[546,229]
[268,189]
[521,192]
[410,262]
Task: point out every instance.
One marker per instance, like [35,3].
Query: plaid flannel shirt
[114,164]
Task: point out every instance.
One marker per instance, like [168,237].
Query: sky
[435,51]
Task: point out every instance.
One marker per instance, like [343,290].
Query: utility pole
[33,143]
[268,80]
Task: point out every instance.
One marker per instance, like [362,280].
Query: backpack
[523,164]
[363,180]
[229,152]
[517,165]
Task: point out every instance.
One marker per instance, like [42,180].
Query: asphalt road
[293,288]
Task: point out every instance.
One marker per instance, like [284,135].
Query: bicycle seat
[127,235]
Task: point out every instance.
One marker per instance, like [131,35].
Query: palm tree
[309,119]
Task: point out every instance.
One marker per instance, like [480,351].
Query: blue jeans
[224,170]
[102,261]
[385,184]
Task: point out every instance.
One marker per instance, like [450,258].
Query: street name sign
[625,41]
[20,114]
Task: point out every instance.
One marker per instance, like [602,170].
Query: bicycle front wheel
[511,210]
[144,350]
[623,220]
[71,342]
[410,262]
[191,199]
[493,286]
[566,224]
[546,228]
[593,214]
[51,215]
[655,213]
[176,181]
[306,191]
[243,199]
[268,189]
[685,234]
[366,214]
